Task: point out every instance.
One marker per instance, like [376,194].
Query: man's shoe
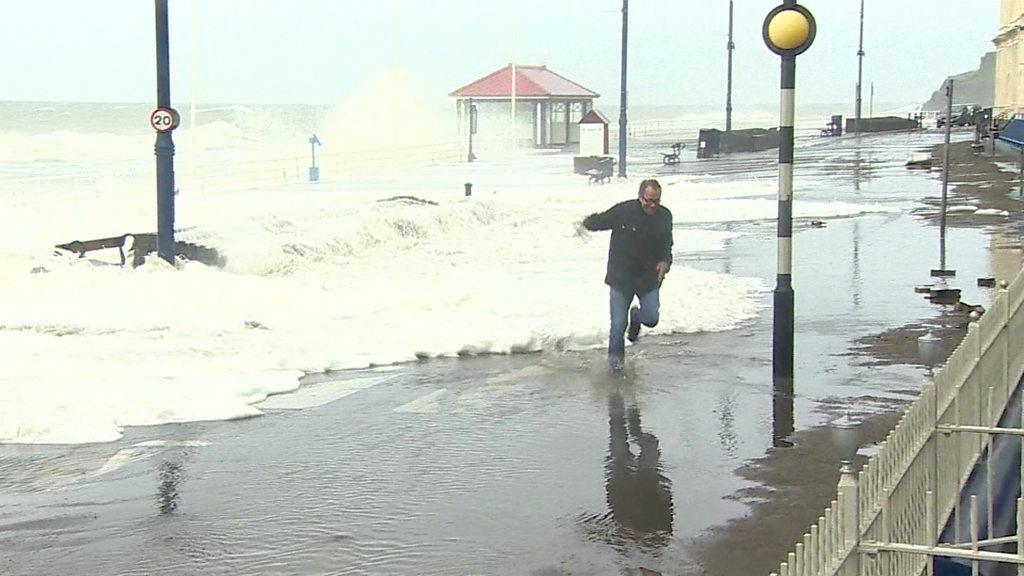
[633,331]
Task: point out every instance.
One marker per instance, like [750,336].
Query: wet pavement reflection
[782,414]
[638,492]
[167,490]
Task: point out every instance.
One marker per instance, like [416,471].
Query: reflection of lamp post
[782,417]
[788,30]
[314,172]
[167,495]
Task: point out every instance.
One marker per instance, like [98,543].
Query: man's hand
[661,268]
[581,230]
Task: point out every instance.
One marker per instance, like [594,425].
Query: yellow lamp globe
[788,29]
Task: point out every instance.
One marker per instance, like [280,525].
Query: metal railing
[116,180]
[278,171]
[887,519]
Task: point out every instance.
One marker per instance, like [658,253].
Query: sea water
[365,267]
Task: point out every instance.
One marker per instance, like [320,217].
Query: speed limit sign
[164,119]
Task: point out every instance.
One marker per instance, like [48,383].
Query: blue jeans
[619,302]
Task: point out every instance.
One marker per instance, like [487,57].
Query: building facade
[1009,42]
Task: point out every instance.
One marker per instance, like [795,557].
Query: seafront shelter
[547,105]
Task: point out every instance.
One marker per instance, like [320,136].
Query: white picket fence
[886,519]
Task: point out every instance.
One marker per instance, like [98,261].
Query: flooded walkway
[527,464]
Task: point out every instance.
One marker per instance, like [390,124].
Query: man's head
[650,196]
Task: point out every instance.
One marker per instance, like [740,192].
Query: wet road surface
[530,464]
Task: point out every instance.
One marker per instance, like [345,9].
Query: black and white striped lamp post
[788,31]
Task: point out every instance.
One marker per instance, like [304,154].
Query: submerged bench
[83,246]
[599,175]
[142,245]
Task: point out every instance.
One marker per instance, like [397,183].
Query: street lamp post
[622,94]
[164,119]
[472,128]
[945,179]
[729,47]
[314,171]
[860,66]
[788,30]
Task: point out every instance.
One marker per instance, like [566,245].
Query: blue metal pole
[164,143]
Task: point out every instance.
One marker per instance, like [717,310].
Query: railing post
[977,379]
[972,328]
[1020,534]
[1004,338]
[989,421]
[933,529]
[849,505]
[930,393]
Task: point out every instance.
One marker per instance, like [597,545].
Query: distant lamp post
[472,130]
[729,47]
[314,172]
[788,30]
[860,69]
[929,348]
[942,271]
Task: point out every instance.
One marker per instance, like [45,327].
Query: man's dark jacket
[637,244]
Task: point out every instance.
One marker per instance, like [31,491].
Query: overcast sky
[322,51]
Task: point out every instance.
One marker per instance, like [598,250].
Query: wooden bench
[82,246]
[672,158]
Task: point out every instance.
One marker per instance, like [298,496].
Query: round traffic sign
[164,119]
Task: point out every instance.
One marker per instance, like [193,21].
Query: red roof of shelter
[531,81]
[593,116]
